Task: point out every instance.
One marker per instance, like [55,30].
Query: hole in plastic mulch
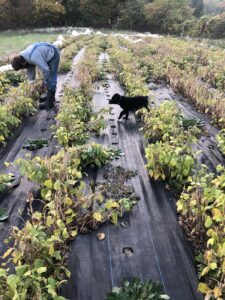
[128,251]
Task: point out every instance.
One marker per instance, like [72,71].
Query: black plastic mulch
[153,246]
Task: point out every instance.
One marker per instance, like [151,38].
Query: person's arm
[31,73]
[43,66]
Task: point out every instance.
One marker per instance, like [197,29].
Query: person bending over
[46,57]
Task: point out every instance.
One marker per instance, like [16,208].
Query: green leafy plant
[3,214]
[169,162]
[18,104]
[136,289]
[221,140]
[14,78]
[202,205]
[5,181]
[190,122]
[39,249]
[96,154]
[192,69]
[4,85]
[35,144]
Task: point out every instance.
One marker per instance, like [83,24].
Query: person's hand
[32,88]
[43,87]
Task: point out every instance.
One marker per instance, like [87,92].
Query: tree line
[163,16]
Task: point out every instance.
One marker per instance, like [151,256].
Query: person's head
[18,63]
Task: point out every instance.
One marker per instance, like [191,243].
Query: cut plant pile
[169,153]
[111,198]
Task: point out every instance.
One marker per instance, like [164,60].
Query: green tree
[48,12]
[167,15]
[98,13]
[131,14]
[16,13]
[198,7]
[213,6]
[73,14]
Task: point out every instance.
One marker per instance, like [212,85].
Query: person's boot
[51,99]
[43,98]
[50,102]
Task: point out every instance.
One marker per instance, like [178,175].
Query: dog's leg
[127,114]
[123,112]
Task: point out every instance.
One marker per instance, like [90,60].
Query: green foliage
[190,122]
[159,15]
[3,214]
[48,11]
[4,85]
[101,14]
[198,6]
[170,137]
[189,68]
[5,181]
[132,15]
[35,144]
[76,119]
[73,117]
[221,140]
[127,69]
[213,7]
[169,155]
[206,26]
[202,203]
[14,78]
[95,154]
[168,161]
[39,249]
[67,56]
[138,290]
[167,15]
[166,122]
[18,103]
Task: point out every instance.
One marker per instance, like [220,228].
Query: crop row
[195,71]
[201,204]
[73,45]
[39,250]
[17,102]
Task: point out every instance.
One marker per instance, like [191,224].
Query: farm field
[16,42]
[88,201]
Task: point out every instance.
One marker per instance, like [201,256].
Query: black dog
[129,103]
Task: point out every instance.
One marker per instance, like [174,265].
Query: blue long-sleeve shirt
[39,56]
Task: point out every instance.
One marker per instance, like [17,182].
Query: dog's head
[115,99]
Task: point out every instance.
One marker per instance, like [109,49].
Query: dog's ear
[116,97]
